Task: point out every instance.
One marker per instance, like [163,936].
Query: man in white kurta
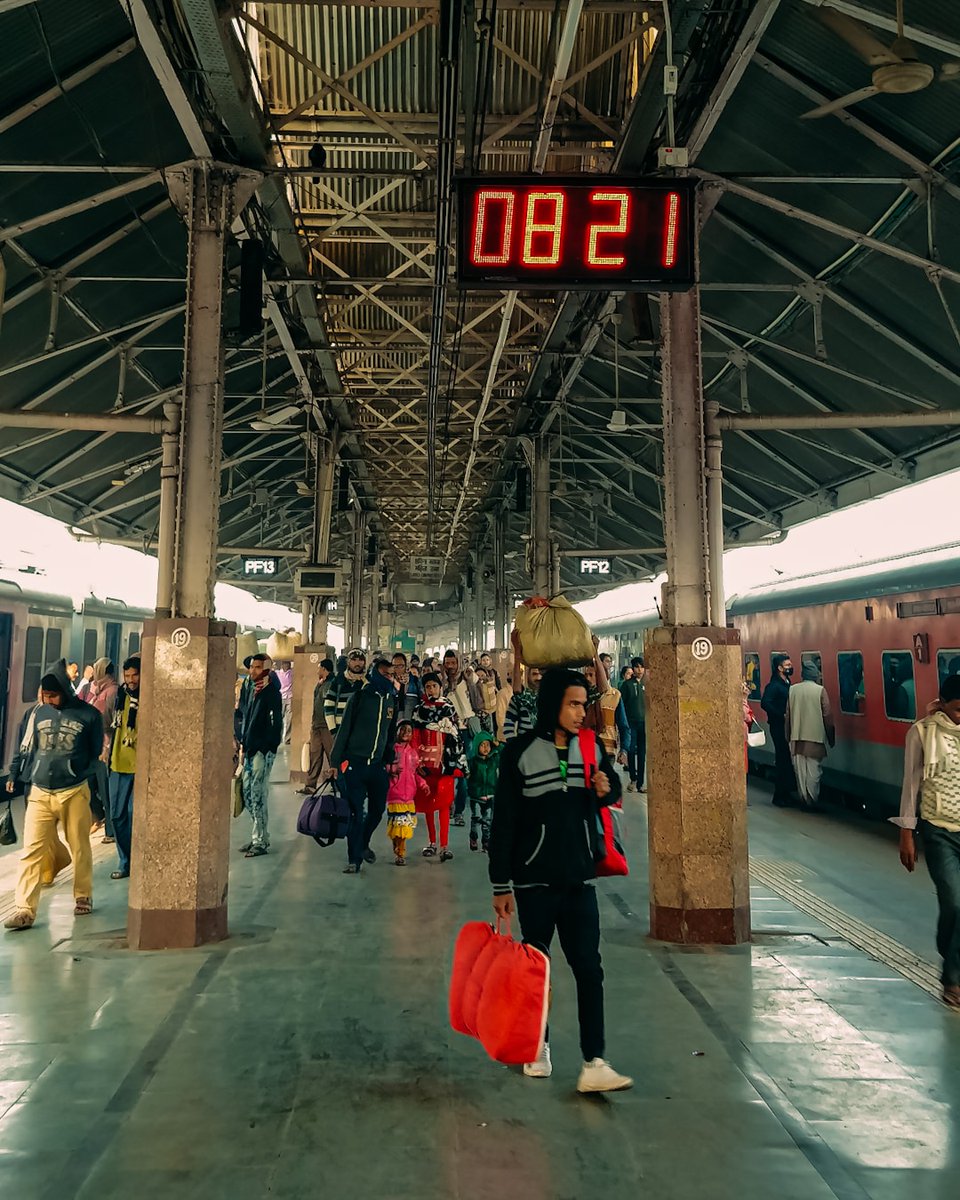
[809,729]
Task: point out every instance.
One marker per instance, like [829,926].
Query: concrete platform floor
[310,1055]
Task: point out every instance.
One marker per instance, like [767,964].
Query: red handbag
[512,1014]
[613,860]
[471,941]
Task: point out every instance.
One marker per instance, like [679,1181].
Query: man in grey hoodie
[62,747]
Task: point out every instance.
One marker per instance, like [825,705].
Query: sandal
[107,841]
[430,851]
[83,906]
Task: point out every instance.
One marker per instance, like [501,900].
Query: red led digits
[670,228]
[551,227]
[483,219]
[599,229]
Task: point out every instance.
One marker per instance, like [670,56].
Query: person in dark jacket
[62,750]
[776,698]
[359,754]
[321,739]
[633,691]
[481,786]
[544,844]
[260,731]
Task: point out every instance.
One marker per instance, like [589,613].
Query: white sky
[75,569]
[909,519]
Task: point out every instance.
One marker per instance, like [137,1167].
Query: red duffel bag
[471,941]
[512,1014]
[476,980]
[613,859]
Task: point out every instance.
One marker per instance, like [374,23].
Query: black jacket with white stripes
[545,829]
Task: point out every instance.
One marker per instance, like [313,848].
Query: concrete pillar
[699,881]
[179,868]
[540,515]
[307,658]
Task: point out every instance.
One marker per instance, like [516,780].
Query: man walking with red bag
[544,844]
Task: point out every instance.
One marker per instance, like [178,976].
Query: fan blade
[950,70]
[833,106]
[858,37]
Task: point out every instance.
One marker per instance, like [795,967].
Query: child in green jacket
[481,785]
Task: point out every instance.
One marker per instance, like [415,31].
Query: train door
[6,645]
[114,629]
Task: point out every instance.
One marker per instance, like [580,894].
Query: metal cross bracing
[363,81]
[820,295]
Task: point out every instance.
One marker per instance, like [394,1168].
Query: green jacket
[483,774]
[634,701]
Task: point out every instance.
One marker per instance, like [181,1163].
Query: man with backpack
[359,754]
[544,845]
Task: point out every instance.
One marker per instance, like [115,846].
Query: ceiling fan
[897,68]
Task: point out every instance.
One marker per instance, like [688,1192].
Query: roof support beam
[66,85]
[841,231]
[914,33]
[79,206]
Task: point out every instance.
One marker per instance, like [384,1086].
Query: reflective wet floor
[311,1054]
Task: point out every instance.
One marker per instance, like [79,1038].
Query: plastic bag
[552,633]
[8,831]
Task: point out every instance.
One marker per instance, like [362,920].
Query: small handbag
[8,831]
[757,736]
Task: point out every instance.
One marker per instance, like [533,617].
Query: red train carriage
[882,634]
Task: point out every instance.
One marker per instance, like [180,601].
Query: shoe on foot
[119,874]
[107,841]
[256,852]
[541,1067]
[399,861]
[369,856]
[304,791]
[598,1076]
[21,919]
[473,843]
[445,854]
[485,846]
[429,851]
[245,847]
[458,820]
[631,786]
[351,869]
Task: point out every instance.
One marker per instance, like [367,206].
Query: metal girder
[913,33]
[78,206]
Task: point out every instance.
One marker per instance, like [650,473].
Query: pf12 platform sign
[599,567]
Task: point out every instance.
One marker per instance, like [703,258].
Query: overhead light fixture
[618,421]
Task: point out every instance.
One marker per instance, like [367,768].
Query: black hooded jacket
[66,742]
[261,720]
[545,829]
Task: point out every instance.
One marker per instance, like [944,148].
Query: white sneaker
[542,1068]
[598,1076]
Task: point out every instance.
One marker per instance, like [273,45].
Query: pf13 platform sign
[575,232]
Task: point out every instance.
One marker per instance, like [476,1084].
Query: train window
[899,690]
[812,658]
[32,662]
[89,648]
[751,673]
[948,663]
[852,692]
[53,647]
[113,641]
[133,645]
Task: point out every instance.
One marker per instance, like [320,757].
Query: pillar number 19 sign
[595,231]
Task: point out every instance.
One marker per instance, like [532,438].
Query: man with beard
[123,763]
[338,693]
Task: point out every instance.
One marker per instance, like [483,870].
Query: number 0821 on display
[594,231]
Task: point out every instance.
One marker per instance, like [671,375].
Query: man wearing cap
[359,754]
[62,749]
[338,693]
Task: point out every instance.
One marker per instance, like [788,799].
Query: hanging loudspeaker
[251,287]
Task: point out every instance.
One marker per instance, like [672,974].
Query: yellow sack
[247,645]
[552,633]
[280,646]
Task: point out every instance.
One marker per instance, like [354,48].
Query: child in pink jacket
[405,782]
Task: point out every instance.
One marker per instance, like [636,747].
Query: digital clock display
[593,231]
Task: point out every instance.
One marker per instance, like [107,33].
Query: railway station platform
[310,1054]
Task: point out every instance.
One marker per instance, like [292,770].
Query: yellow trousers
[69,807]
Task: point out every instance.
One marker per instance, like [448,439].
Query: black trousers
[637,754]
[784,782]
[573,913]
